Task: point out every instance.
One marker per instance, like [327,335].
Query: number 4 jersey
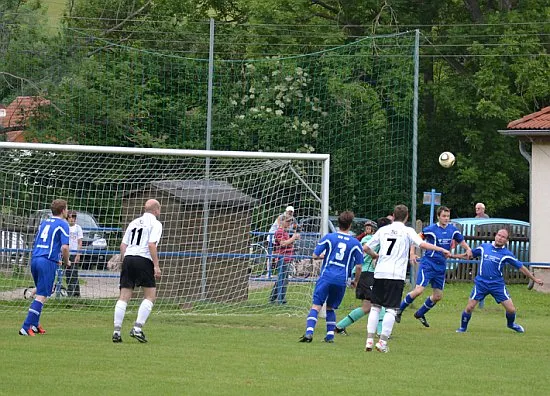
[142,231]
[394,241]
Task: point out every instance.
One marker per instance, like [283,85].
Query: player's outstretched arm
[468,250]
[429,246]
[528,274]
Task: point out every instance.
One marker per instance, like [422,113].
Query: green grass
[253,355]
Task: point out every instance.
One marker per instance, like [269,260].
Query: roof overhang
[530,135]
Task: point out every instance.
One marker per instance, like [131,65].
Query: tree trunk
[475,10]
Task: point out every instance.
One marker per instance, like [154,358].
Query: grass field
[252,355]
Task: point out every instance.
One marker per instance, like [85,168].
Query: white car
[13,248]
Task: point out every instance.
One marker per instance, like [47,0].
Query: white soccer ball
[447,159]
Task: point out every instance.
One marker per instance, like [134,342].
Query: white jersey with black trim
[394,241]
[140,232]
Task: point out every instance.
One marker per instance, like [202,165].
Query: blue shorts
[494,287]
[329,292]
[43,272]
[427,274]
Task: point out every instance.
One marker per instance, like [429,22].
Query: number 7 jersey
[142,231]
[394,241]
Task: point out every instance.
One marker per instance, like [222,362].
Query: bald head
[152,206]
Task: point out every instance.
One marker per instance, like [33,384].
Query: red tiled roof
[18,113]
[538,120]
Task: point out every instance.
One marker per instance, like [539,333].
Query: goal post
[217,209]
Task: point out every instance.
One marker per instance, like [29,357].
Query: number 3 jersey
[342,253]
[142,231]
[394,241]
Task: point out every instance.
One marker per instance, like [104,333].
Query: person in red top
[284,250]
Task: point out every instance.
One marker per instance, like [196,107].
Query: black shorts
[364,287]
[137,271]
[387,292]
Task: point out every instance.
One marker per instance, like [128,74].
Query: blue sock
[428,304]
[380,320]
[311,321]
[33,316]
[511,318]
[465,319]
[331,324]
[406,302]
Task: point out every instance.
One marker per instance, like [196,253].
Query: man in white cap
[279,221]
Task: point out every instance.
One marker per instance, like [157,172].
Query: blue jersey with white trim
[52,234]
[342,253]
[440,236]
[493,259]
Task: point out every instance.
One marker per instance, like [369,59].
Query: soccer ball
[447,159]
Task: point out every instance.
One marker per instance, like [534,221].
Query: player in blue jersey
[490,280]
[394,241]
[51,247]
[433,264]
[340,253]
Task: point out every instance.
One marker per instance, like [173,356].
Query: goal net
[217,209]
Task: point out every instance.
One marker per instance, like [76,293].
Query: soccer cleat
[38,329]
[116,337]
[369,344]
[461,330]
[382,347]
[26,333]
[329,340]
[306,338]
[341,331]
[422,320]
[138,335]
[398,317]
[517,328]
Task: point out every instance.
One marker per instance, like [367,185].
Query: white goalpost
[217,209]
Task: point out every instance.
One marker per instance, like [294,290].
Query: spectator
[279,221]
[340,252]
[394,241]
[284,247]
[480,211]
[51,245]
[490,279]
[140,267]
[75,244]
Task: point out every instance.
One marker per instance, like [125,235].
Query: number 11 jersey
[142,231]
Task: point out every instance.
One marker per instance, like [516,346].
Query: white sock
[387,323]
[120,311]
[143,313]
[372,323]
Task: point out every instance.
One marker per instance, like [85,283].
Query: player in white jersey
[394,242]
[140,267]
